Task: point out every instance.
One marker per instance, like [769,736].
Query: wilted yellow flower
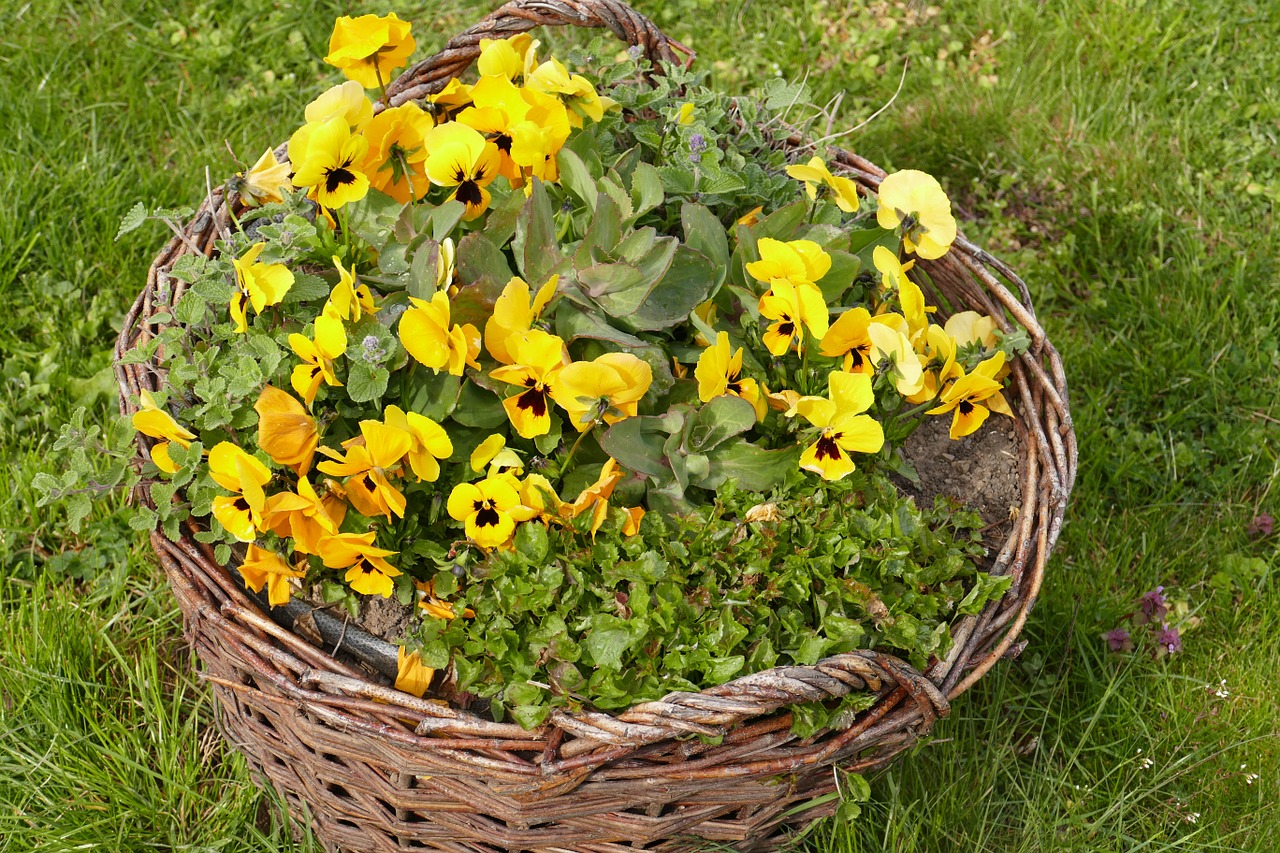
[539,357]
[844,428]
[267,181]
[369,48]
[412,676]
[915,201]
[257,284]
[514,314]
[608,388]
[631,526]
[719,371]
[459,156]
[332,159]
[427,335]
[596,496]
[286,432]
[368,571]
[263,567]
[153,421]
[818,179]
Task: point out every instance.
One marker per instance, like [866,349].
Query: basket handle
[431,74]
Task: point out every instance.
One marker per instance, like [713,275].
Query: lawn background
[1122,155]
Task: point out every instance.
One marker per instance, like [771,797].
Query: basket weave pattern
[380,770]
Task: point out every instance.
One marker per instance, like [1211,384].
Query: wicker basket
[380,770]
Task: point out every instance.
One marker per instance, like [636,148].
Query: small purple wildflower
[1154,607]
[1169,639]
[373,352]
[1261,526]
[635,51]
[697,144]
[1118,640]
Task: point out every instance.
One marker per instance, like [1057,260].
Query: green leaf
[677,181]
[305,288]
[721,183]
[751,466]
[719,420]
[686,284]
[479,408]
[576,177]
[434,395]
[445,218]
[608,639]
[985,588]
[646,190]
[844,269]
[573,323]
[704,234]
[536,248]
[132,220]
[374,218]
[637,445]
[366,382]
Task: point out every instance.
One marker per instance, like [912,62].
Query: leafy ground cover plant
[583,370]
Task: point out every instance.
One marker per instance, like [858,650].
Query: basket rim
[908,701]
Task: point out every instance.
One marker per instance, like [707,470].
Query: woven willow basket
[380,770]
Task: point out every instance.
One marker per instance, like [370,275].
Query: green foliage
[700,597]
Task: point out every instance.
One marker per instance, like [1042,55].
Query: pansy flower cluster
[545,332]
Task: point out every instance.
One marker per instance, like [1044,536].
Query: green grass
[1122,155]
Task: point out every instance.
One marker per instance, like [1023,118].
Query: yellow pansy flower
[446,265]
[526,127]
[304,516]
[889,341]
[510,57]
[514,314]
[937,351]
[573,90]
[487,510]
[427,335]
[817,179]
[430,442]
[368,571]
[332,163]
[412,676]
[892,271]
[459,156]
[317,354]
[848,337]
[153,421]
[486,451]
[348,300]
[719,372]
[396,159]
[267,181]
[257,284]
[966,395]
[914,201]
[539,357]
[263,567]
[448,101]
[970,327]
[793,308]
[751,217]
[369,48]
[793,262]
[346,100]
[368,464]
[286,432]
[238,472]
[844,428]
[608,388]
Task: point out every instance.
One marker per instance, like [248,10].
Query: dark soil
[982,471]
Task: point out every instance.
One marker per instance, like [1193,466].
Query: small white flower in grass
[1192,817]
[1146,764]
